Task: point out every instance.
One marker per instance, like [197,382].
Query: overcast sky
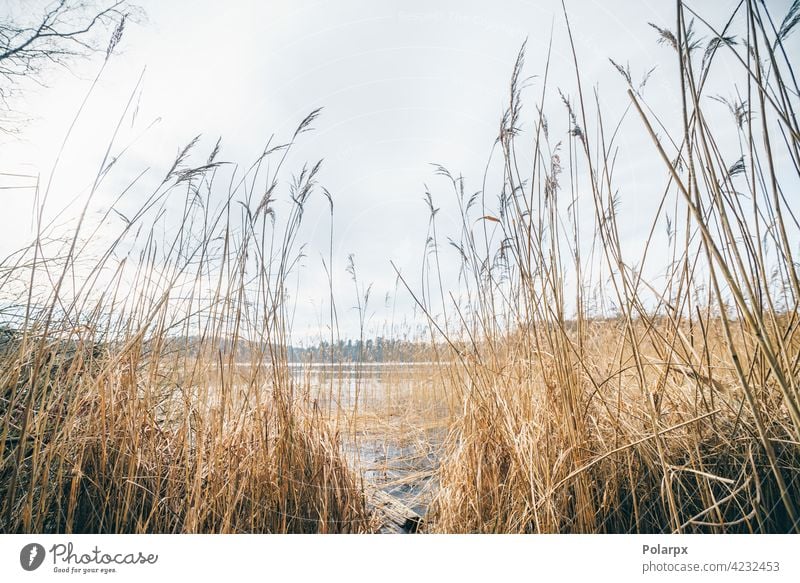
[404,84]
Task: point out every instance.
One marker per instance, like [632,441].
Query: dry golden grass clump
[534,451]
[149,392]
[678,409]
[110,450]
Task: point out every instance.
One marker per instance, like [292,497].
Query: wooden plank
[393,516]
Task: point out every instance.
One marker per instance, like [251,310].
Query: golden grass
[125,403]
[146,387]
[596,447]
[679,413]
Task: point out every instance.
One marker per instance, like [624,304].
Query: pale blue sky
[403,84]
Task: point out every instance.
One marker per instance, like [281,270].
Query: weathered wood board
[392,515]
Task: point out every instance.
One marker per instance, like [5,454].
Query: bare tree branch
[33,41]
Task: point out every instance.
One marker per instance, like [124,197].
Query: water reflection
[397,421]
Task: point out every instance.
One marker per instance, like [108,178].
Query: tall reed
[586,387]
[675,410]
[145,384]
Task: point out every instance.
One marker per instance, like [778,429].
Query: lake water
[399,428]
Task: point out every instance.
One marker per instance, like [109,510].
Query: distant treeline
[371,350]
[348,350]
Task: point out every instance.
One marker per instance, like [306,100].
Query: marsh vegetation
[147,386]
